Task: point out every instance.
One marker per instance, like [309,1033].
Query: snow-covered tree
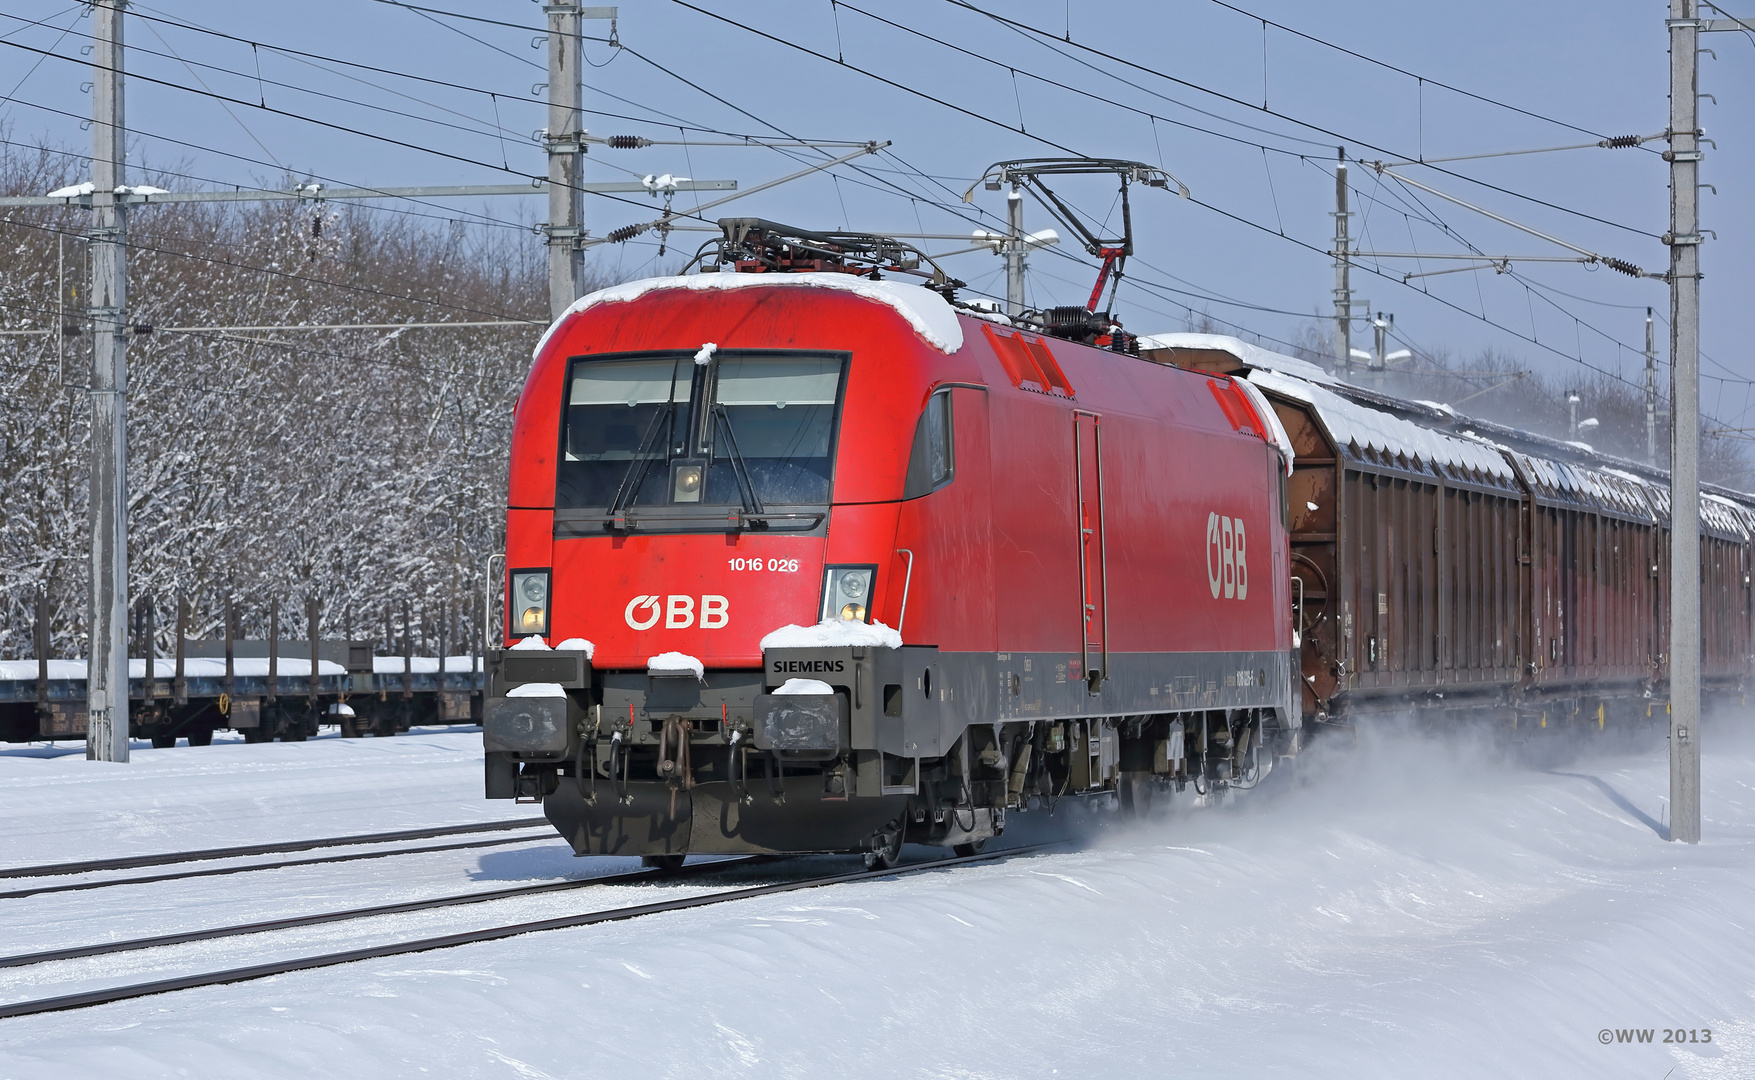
[365,468]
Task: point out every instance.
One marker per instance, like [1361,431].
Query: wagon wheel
[670,864]
[889,850]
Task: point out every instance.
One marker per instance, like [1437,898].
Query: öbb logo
[1226,571]
[678,612]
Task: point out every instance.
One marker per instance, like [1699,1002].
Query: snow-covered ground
[1408,908]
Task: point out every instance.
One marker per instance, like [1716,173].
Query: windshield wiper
[643,457]
[752,504]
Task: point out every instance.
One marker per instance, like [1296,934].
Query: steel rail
[221,871]
[136,944]
[137,861]
[497,933]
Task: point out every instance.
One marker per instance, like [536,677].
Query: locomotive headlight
[686,480]
[529,599]
[847,592]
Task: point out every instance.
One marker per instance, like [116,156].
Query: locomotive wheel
[887,856]
[973,847]
[161,742]
[667,863]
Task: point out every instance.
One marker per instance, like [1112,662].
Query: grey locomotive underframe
[934,744]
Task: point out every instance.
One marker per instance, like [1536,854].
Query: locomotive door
[1093,571]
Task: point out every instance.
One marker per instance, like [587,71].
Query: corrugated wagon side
[1407,578]
[1590,538]
[1724,586]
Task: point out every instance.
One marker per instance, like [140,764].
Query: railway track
[631,878]
[135,862]
[214,854]
[89,998]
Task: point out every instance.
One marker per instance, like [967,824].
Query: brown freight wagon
[1727,529]
[1516,575]
[1409,539]
[1592,539]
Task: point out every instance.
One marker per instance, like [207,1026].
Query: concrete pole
[106,736]
[1343,291]
[1650,392]
[1014,252]
[1684,241]
[565,148]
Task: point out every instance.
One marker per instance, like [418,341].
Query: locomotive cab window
[932,461]
[617,412]
[779,417]
[748,430]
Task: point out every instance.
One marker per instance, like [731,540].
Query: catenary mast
[1684,242]
[107,666]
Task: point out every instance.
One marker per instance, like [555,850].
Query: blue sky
[1600,67]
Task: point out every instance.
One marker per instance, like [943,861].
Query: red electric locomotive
[826,561]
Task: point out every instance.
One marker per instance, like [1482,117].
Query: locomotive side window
[931,464]
[743,430]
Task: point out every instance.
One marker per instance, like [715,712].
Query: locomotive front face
[692,501]
[691,473]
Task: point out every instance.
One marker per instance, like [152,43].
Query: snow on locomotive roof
[926,311]
[1368,429]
